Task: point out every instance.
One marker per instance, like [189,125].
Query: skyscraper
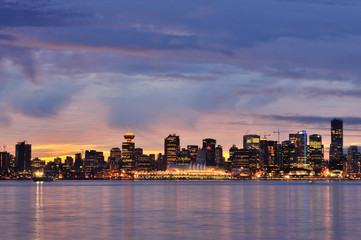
[171,148]
[128,154]
[300,140]
[209,145]
[5,158]
[289,159]
[251,142]
[23,156]
[219,155]
[353,158]
[336,147]
[193,152]
[78,161]
[316,153]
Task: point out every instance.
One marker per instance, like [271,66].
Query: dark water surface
[180,210]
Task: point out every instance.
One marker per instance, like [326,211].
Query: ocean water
[180,210]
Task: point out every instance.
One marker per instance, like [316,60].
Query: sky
[74,75]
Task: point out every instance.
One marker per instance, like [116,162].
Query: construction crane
[5,146]
[278,132]
[265,135]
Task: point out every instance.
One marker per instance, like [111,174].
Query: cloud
[6,37]
[310,119]
[5,120]
[45,101]
[23,58]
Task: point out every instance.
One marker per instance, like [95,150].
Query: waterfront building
[246,159]
[336,147]
[57,160]
[189,172]
[300,141]
[316,153]
[37,164]
[184,157]
[288,157]
[251,142]
[353,158]
[5,159]
[138,152]
[23,156]
[209,146]
[219,156]
[69,161]
[171,148]
[193,152]
[78,161]
[114,160]
[161,162]
[144,163]
[269,153]
[128,152]
[115,153]
[93,159]
[232,150]
[201,157]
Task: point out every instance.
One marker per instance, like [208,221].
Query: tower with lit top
[128,154]
[129,136]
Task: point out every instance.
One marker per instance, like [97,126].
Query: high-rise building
[93,158]
[37,164]
[232,150]
[78,161]
[219,156]
[193,152]
[5,159]
[69,161]
[272,153]
[300,140]
[128,152]
[201,156]
[23,156]
[115,153]
[316,153]
[209,146]
[144,163]
[115,159]
[251,142]
[171,148]
[184,157]
[288,158]
[269,153]
[353,158]
[246,159]
[336,147]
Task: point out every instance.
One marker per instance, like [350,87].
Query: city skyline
[74,75]
[247,142]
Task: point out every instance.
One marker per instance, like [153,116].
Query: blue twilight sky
[75,74]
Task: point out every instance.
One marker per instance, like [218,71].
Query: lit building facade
[128,152]
[171,148]
[336,147]
[288,157]
[209,145]
[300,141]
[193,152]
[353,158]
[251,142]
[5,159]
[316,153]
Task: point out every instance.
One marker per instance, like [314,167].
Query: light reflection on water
[179,210]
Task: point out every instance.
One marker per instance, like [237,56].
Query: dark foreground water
[180,210]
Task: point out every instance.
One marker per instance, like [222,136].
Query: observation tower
[129,136]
